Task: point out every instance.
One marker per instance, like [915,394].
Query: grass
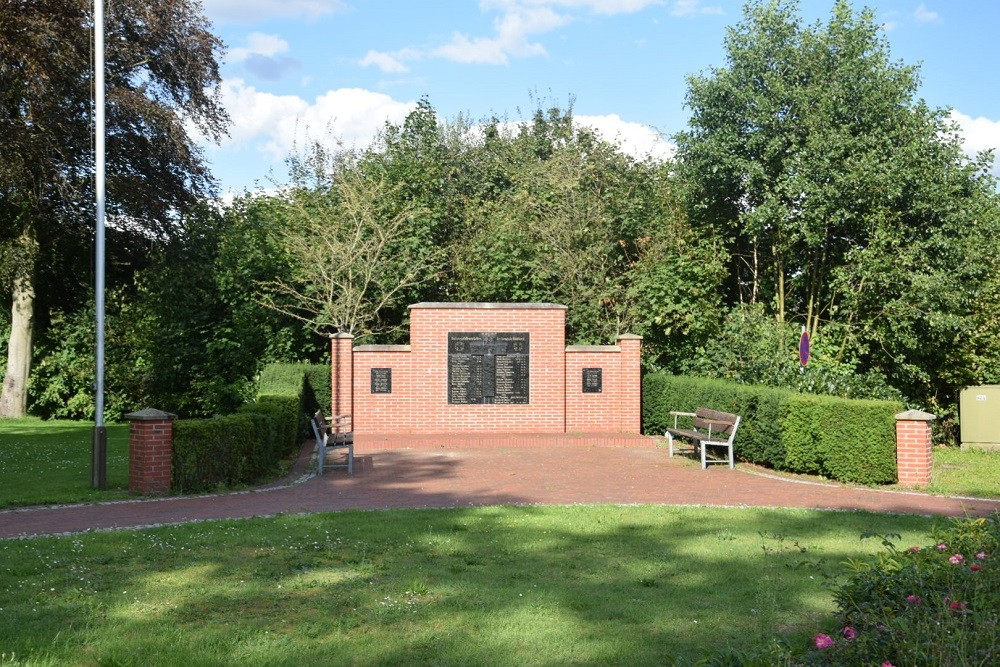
[632,585]
[966,472]
[49,462]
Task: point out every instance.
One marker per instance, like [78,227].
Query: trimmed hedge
[847,440]
[222,451]
[246,447]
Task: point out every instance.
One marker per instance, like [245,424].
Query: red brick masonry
[151,438]
[913,448]
[418,400]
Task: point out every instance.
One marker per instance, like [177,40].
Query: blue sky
[310,69]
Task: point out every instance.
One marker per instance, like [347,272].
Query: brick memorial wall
[488,368]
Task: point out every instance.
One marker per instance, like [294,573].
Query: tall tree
[161,73]
[812,155]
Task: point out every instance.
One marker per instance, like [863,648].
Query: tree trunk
[14,399]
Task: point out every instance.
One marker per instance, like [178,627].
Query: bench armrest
[681,414]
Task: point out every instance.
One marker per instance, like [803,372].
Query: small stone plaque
[592,380]
[381,380]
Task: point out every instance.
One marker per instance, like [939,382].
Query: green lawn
[49,462]
[968,472]
[632,585]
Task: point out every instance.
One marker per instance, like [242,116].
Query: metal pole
[99,445]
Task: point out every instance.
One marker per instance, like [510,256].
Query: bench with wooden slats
[710,428]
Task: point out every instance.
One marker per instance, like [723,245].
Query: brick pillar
[342,374]
[631,383]
[150,451]
[913,448]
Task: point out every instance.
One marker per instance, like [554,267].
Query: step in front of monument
[374,442]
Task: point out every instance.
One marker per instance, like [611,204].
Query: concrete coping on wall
[381,348]
[491,306]
[629,337]
[150,415]
[915,416]
[593,348]
[341,335]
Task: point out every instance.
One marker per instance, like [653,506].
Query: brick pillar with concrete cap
[150,451]
[913,447]
[342,374]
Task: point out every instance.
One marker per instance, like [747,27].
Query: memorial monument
[488,368]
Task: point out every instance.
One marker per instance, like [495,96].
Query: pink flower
[888,664]
[914,550]
[914,599]
[976,567]
[849,632]
[942,547]
[956,559]
[957,606]
[981,555]
[823,641]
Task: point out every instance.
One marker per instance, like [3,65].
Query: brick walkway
[458,472]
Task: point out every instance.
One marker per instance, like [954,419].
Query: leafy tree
[846,203]
[571,219]
[161,72]
[350,257]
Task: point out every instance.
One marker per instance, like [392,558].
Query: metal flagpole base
[99,458]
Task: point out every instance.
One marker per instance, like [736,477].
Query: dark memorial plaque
[592,380]
[488,368]
[381,380]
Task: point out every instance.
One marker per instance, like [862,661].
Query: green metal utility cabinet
[979,415]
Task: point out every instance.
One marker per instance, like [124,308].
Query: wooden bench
[711,428]
[337,435]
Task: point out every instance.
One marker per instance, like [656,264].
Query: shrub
[848,440]
[760,408]
[929,605]
[286,415]
[214,452]
[245,447]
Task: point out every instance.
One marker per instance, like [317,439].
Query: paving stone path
[455,474]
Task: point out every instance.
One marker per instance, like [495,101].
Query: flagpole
[98,468]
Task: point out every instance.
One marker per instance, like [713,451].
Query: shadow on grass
[494,585]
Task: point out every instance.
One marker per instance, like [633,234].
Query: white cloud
[607,7]
[690,7]
[274,124]
[979,134]
[635,139]
[511,38]
[259,44]
[256,11]
[924,15]
[384,61]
